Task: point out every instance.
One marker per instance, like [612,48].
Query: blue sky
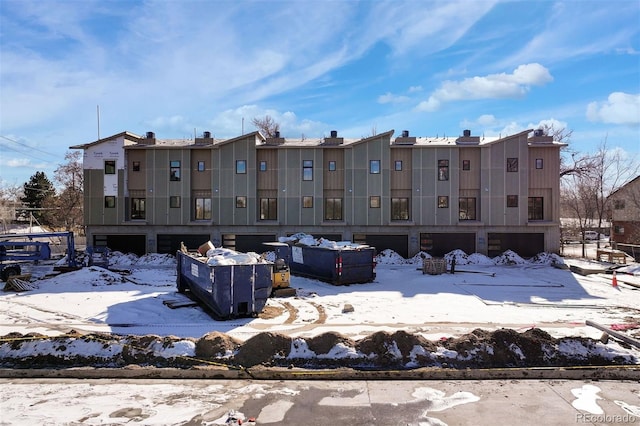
[431,67]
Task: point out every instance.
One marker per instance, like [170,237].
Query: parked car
[593,236]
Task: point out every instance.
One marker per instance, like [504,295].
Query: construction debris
[20,283]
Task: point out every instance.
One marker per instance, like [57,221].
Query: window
[307,170]
[262,166]
[268,208]
[617,229]
[512,164]
[374,202]
[539,163]
[110,167]
[333,209]
[241,167]
[397,166]
[512,201]
[536,211]
[374,167]
[174,170]
[136,166]
[466,165]
[443,169]
[138,208]
[443,202]
[618,204]
[109,202]
[203,209]
[201,166]
[467,208]
[307,202]
[399,209]
[332,166]
[241,202]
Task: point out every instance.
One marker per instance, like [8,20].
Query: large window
[333,209]
[202,209]
[109,167]
[268,208]
[374,167]
[174,170]
[138,208]
[307,170]
[399,209]
[467,210]
[443,169]
[536,210]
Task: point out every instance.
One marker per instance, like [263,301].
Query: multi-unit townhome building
[409,194]
[624,213]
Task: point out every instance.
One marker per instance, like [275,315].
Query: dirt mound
[323,343]
[382,350]
[216,345]
[264,348]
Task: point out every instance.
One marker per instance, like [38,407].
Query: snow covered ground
[505,292]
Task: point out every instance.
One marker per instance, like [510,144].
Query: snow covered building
[435,194]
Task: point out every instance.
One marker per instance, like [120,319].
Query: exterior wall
[625,213]
[487,180]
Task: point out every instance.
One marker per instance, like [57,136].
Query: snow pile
[389,257]
[508,258]
[308,240]
[222,256]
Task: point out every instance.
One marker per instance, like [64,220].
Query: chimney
[206,139]
[275,139]
[149,139]
[334,139]
[540,137]
[405,139]
[467,139]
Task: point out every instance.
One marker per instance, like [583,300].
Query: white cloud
[389,98]
[619,108]
[232,122]
[486,120]
[415,89]
[492,86]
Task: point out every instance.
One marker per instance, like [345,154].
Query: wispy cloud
[494,86]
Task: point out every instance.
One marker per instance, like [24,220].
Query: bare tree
[67,207]
[609,172]
[266,125]
[9,203]
[578,196]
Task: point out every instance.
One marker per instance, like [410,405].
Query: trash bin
[434,266]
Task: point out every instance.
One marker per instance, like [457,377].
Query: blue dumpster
[338,266]
[228,291]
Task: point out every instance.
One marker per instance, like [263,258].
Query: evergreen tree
[36,194]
